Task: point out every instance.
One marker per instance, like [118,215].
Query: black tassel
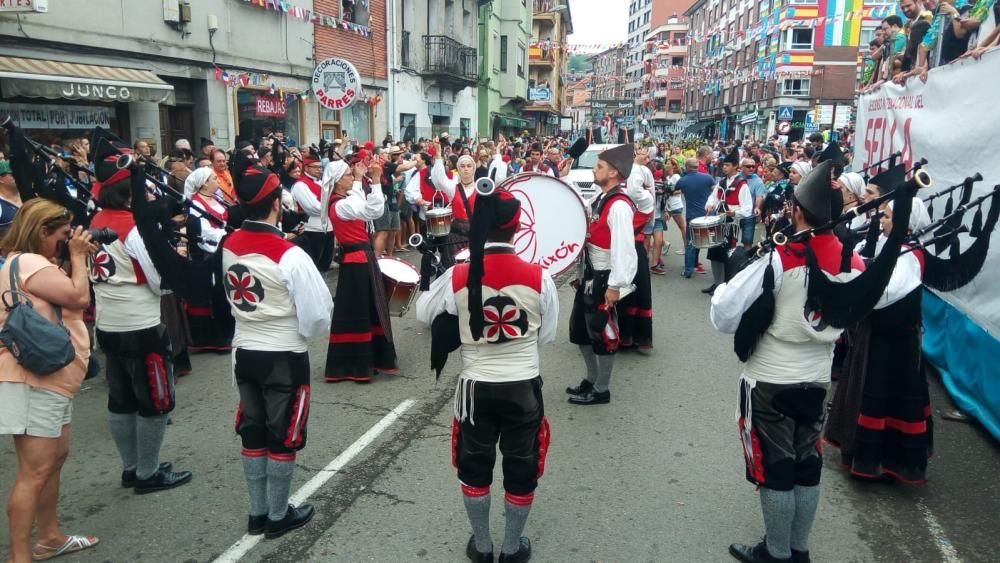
[757,318]
[426,270]
[871,239]
[977,223]
[950,274]
[930,210]
[846,253]
[955,250]
[950,206]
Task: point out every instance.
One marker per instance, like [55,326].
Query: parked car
[581,175]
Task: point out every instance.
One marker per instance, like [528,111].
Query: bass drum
[553,221]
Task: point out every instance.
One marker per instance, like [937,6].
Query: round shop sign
[336,83]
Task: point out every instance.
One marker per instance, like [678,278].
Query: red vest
[351,231]
[542,168]
[205,205]
[639,221]
[427,189]
[599,232]
[458,204]
[313,186]
[732,192]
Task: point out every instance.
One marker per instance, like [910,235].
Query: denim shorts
[654,224]
[747,225]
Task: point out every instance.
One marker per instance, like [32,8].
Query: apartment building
[664,63]
[435,68]
[770,66]
[551,24]
[504,38]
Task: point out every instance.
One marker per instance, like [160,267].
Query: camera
[103,236]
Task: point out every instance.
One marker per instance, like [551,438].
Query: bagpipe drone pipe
[38,172]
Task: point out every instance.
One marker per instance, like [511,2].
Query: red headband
[270,184]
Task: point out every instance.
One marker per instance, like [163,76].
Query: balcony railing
[446,58]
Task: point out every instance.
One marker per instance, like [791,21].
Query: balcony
[538,56]
[449,61]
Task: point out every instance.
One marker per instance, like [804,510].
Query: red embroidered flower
[504,321]
[244,290]
[102,268]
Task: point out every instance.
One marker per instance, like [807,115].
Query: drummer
[462,200]
[733,198]
[361,341]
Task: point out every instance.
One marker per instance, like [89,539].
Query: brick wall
[368,54]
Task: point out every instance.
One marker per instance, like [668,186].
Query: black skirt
[358,343]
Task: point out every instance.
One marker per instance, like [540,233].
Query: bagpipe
[38,173]
[832,303]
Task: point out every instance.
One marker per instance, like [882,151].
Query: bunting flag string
[306,15]
[240,79]
[768,25]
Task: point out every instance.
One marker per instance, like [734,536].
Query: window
[866,37]
[677,61]
[407,126]
[404,49]
[465,127]
[503,53]
[801,1]
[795,87]
[354,11]
[521,60]
[800,39]
[675,106]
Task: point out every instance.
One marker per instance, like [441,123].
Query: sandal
[72,545]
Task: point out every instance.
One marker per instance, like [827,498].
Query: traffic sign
[785,113]
[784,127]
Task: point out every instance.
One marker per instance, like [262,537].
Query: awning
[513,122]
[37,78]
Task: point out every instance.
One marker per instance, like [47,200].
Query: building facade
[664,65]
[577,102]
[160,72]
[551,23]
[766,67]
[504,37]
[434,67]
[609,105]
[366,119]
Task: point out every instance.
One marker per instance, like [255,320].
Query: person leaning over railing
[36,409]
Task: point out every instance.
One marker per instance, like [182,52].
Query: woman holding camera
[36,409]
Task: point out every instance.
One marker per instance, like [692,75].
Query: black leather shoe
[754,554]
[256,525]
[128,477]
[591,398]
[475,555]
[523,553]
[710,289]
[295,518]
[800,556]
[580,389]
[161,481]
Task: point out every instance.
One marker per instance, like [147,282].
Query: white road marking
[247,542]
[947,550]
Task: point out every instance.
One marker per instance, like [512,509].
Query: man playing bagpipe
[498,309]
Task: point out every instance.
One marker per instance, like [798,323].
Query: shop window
[355,11]
[260,113]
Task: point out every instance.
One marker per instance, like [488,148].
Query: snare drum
[401,280]
[438,221]
[553,221]
[706,232]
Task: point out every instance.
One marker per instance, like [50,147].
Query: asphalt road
[654,476]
